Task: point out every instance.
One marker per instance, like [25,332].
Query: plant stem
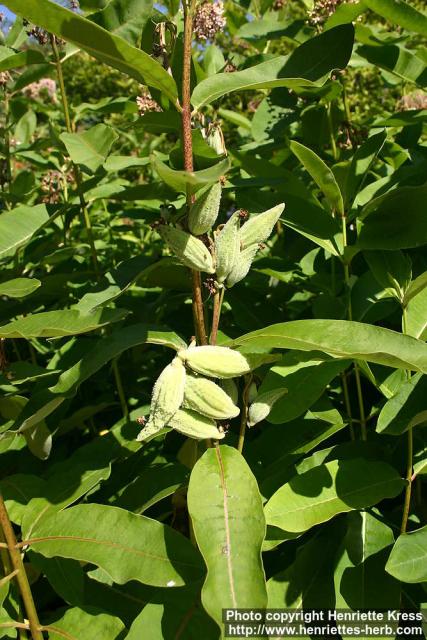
[120,390]
[331,132]
[409,460]
[347,403]
[187,144]
[217,306]
[21,576]
[76,170]
[244,414]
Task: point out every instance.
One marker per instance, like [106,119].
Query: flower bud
[207,398]
[242,265]
[189,250]
[263,404]
[222,362]
[168,393]
[258,228]
[194,425]
[204,211]
[227,247]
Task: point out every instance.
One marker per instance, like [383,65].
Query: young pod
[258,228]
[189,250]
[149,432]
[231,389]
[227,247]
[222,362]
[206,397]
[263,404]
[168,393]
[242,265]
[194,425]
[204,212]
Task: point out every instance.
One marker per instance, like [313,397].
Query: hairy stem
[187,144]
[244,414]
[21,576]
[410,454]
[76,170]
[216,315]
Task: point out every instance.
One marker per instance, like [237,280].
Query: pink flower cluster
[413,101]
[146,103]
[46,87]
[209,20]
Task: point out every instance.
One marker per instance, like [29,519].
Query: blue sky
[6,11]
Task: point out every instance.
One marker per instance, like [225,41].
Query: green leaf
[195,180]
[321,493]
[361,163]
[401,13]
[360,579]
[341,339]
[90,148]
[307,67]
[415,287]
[416,315]
[228,522]
[80,624]
[384,227]
[344,13]
[9,59]
[17,491]
[402,62]
[392,270]
[19,225]
[321,174]
[305,377]
[406,408]
[408,559]
[126,546]
[54,324]
[104,46]
[124,18]
[19,287]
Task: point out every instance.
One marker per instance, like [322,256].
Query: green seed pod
[189,250]
[207,398]
[242,265]
[149,432]
[222,362]
[252,393]
[204,211]
[194,425]
[258,228]
[231,389]
[168,393]
[227,247]
[263,404]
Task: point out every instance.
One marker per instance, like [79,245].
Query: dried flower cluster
[4,172]
[5,77]
[146,103]
[413,101]
[209,20]
[74,5]
[39,34]
[44,88]
[51,185]
[323,9]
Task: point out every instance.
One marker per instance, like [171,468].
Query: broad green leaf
[17,491]
[360,579]
[415,287]
[307,67]
[270,29]
[90,148]
[126,546]
[110,347]
[195,180]
[406,409]
[19,287]
[124,18]
[341,339]
[176,614]
[321,493]
[402,62]
[305,377]
[228,522]
[308,582]
[408,559]
[80,624]
[392,270]
[321,174]
[345,12]
[19,225]
[104,46]
[25,127]
[361,163]
[384,227]
[10,59]
[54,324]
[416,315]
[401,14]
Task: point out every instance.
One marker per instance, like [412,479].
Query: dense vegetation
[226,204]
